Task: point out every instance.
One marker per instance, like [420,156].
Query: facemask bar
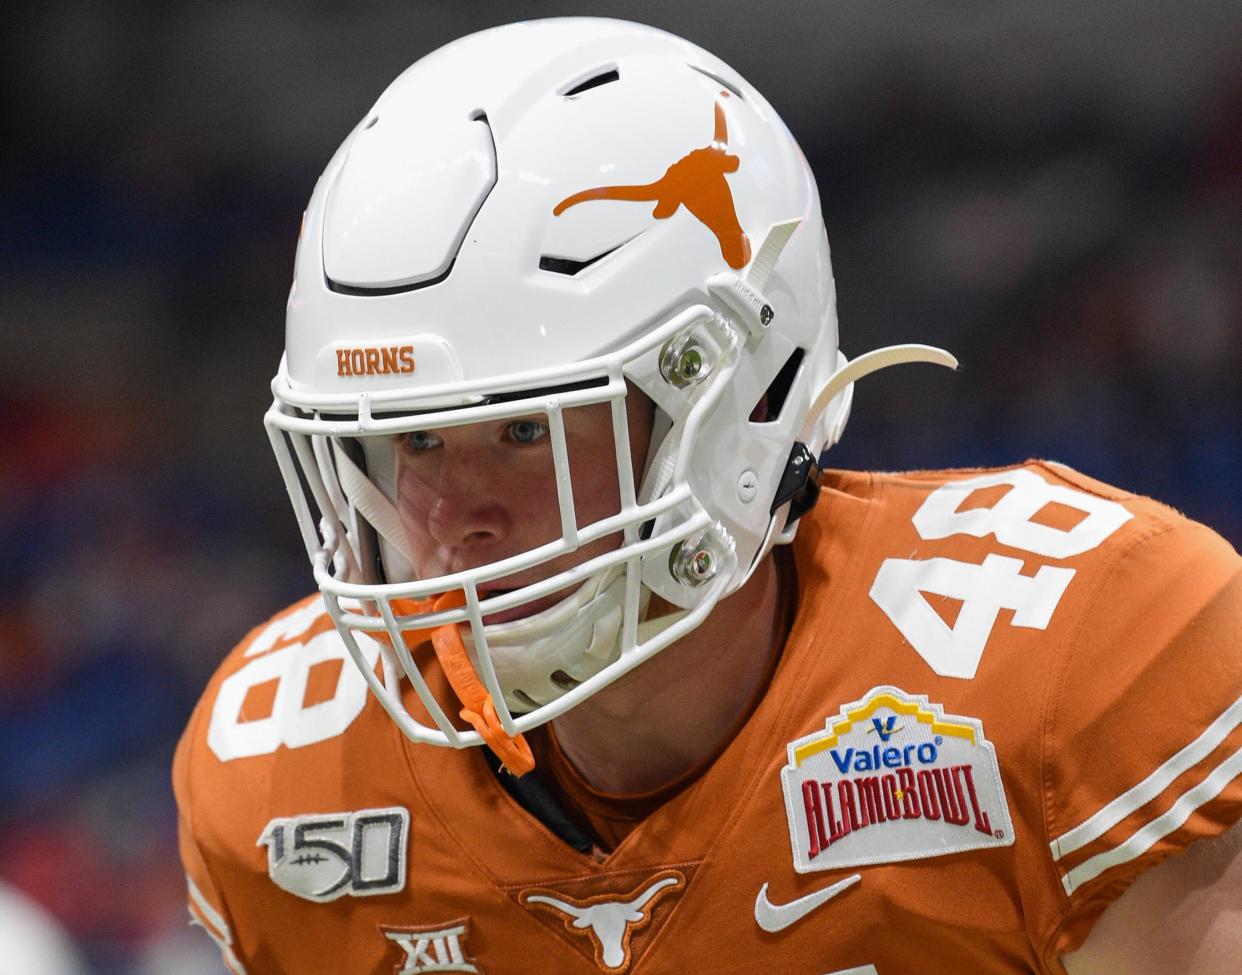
[635,651]
[323,451]
[337,556]
[322,491]
[309,436]
[294,413]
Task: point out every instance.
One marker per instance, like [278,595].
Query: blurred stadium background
[1051,190]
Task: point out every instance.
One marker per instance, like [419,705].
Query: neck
[667,716]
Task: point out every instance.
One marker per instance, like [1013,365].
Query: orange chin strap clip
[479,708]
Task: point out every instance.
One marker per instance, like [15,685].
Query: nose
[453,504]
[461,521]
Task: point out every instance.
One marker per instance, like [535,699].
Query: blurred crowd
[1072,235]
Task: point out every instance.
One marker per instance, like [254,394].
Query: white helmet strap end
[799,484]
[743,296]
[372,504]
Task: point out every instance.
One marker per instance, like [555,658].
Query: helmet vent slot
[568,266]
[603,77]
[772,402]
[349,289]
[733,89]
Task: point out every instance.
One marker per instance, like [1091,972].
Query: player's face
[472,495]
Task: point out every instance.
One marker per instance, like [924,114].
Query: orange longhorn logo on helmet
[375,361]
[695,181]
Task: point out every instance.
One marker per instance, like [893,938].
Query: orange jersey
[1005,694]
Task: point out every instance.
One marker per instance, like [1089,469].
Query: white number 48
[984,590]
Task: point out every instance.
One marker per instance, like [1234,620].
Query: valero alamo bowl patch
[892,777]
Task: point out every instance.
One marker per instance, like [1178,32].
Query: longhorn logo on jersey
[695,181]
[930,786]
[609,921]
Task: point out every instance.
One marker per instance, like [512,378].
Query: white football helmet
[533,220]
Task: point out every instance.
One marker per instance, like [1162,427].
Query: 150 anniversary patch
[892,777]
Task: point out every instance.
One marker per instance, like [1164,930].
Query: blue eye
[526,431]
[422,440]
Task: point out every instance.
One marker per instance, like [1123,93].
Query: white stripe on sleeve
[1159,780]
[1160,827]
[210,920]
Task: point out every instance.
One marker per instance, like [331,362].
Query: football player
[605,674]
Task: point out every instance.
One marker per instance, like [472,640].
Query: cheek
[597,493]
[415,495]
[415,500]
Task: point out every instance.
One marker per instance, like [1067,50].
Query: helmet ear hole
[772,402]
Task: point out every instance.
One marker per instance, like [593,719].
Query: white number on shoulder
[292,722]
[984,590]
[1009,519]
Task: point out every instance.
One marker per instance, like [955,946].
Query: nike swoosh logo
[777,917]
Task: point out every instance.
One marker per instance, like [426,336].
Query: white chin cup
[576,638]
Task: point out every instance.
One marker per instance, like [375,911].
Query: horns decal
[695,181]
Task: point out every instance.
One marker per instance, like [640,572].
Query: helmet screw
[689,364]
[684,362]
[692,566]
[747,486]
[702,565]
[766,314]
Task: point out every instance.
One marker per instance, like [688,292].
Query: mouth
[532,608]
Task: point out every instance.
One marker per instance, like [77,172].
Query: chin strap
[652,628]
